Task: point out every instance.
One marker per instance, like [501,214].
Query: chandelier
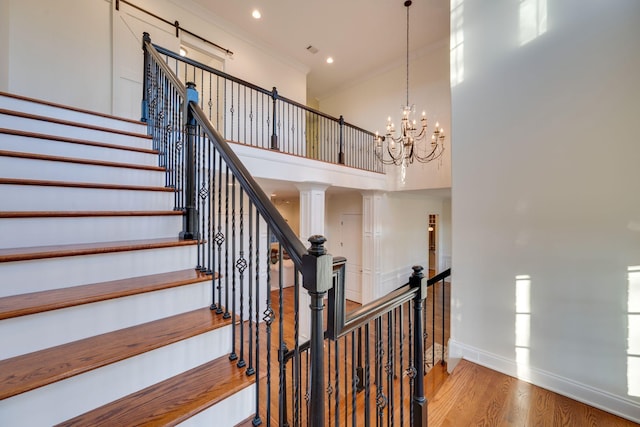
[404,147]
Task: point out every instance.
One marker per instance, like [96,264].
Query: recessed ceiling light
[256,14]
[329,60]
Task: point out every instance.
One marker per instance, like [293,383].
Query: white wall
[545,185]
[4,44]
[61,56]
[368,102]
[404,242]
[72,52]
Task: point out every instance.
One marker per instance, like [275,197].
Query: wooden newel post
[317,272]
[419,402]
[274,132]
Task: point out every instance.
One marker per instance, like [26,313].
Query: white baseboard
[600,399]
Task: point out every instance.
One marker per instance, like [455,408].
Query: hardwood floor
[471,395]
[475,395]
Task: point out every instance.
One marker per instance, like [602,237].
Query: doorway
[351,247]
[432,239]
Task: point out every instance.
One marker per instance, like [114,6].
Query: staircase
[103,318]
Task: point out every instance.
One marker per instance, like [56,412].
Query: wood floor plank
[171,401]
[464,399]
[42,252]
[38,302]
[27,372]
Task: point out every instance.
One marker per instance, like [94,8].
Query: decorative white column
[311,223]
[371,238]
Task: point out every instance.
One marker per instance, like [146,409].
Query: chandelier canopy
[405,146]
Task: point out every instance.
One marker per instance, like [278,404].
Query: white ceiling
[362,36]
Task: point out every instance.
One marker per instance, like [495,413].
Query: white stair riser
[39,275]
[44,198]
[76,395]
[35,332]
[24,232]
[26,106]
[50,147]
[69,131]
[230,412]
[74,172]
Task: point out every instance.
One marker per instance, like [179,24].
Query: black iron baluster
[274,134]
[329,389]
[250,369]
[281,344]
[378,376]
[241,265]
[367,380]
[336,366]
[234,314]
[268,320]
[226,314]
[215,304]
[401,363]
[354,377]
[220,238]
[297,390]
[419,403]
[389,368]
[256,419]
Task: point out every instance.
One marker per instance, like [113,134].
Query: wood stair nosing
[39,302]
[68,107]
[51,158]
[30,371]
[43,252]
[36,135]
[81,214]
[47,183]
[73,124]
[171,401]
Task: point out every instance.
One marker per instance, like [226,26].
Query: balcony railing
[245,113]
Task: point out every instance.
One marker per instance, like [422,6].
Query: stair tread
[71,123]
[28,134]
[171,401]
[68,107]
[38,302]
[49,183]
[37,369]
[41,252]
[47,157]
[79,214]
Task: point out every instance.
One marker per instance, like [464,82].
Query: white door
[351,249]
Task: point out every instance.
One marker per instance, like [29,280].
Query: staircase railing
[245,113]
[243,237]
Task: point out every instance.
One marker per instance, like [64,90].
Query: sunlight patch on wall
[633,315]
[523,325]
[456,42]
[533,19]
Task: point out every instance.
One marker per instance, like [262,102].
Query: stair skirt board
[51,146]
[61,112]
[39,275]
[57,402]
[26,232]
[97,318]
[59,198]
